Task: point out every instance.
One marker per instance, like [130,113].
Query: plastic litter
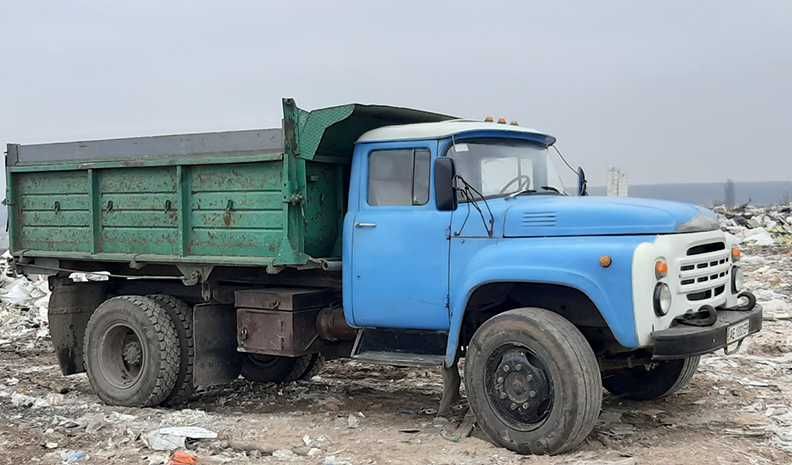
[74,456]
[172,438]
[181,457]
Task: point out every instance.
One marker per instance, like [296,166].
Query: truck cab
[464,228]
[385,234]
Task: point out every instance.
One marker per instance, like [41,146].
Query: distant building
[729,195]
[617,183]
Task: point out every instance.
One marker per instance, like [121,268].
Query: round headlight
[662,299]
[737,279]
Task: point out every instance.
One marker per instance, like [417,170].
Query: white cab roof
[443,129]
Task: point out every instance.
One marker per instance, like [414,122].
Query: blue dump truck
[380,233]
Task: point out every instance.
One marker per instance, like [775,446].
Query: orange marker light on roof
[661,269]
[489,119]
[501,120]
[736,253]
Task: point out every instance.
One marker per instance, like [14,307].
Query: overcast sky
[671,91]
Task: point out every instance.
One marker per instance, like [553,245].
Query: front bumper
[685,341]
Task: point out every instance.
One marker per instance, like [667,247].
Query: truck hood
[532,216]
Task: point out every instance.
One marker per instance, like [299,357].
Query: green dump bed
[257,198]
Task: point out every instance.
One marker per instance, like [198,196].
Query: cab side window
[398,177]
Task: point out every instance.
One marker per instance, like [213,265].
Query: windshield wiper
[521,192]
[532,191]
[553,189]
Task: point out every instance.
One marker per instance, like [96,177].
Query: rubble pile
[761,226]
[23,310]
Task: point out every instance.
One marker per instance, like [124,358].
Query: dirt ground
[738,410]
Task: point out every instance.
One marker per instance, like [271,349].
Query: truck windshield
[501,167]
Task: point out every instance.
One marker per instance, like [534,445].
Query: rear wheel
[181,314]
[306,367]
[653,381]
[274,369]
[533,382]
[131,352]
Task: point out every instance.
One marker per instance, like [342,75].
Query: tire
[131,352]
[536,357]
[182,316]
[305,367]
[651,382]
[274,369]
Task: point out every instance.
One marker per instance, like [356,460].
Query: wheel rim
[122,356]
[519,387]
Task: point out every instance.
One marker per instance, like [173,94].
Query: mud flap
[70,307]
[214,335]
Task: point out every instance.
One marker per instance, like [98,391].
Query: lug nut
[517,367]
[530,377]
[532,394]
[506,368]
[503,395]
[499,380]
[525,406]
[513,406]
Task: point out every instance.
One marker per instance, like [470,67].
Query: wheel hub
[520,388]
[132,353]
[122,356]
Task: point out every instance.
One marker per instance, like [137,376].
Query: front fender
[566,261]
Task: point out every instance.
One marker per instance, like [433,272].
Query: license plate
[736,332]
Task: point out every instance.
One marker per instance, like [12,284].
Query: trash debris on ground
[23,309]
[172,438]
[352,421]
[760,226]
[463,430]
[74,456]
[183,458]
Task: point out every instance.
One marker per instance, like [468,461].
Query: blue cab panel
[399,253]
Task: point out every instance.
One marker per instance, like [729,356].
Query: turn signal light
[736,253]
[661,269]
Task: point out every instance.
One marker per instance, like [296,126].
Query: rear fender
[71,305]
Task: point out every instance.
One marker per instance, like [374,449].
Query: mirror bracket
[444,181]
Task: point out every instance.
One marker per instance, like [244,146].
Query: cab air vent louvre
[538,219]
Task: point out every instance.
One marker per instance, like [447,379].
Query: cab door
[400,240]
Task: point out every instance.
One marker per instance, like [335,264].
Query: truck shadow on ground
[340,387]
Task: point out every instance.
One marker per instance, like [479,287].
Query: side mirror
[582,183]
[445,173]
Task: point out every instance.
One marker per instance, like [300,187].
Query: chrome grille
[704,275]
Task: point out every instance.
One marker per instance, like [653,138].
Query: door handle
[365,225]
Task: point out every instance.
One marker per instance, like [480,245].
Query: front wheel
[533,382]
[652,381]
